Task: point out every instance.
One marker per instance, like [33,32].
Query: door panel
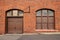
[19,26]
[15,25]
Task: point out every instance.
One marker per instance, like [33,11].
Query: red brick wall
[29,18]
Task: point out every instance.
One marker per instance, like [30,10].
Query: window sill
[46,30]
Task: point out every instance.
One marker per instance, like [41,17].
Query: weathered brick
[29,23]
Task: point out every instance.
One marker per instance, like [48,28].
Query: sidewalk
[34,33]
[31,36]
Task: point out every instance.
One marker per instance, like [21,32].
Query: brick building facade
[29,9]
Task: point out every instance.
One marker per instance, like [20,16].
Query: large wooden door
[15,25]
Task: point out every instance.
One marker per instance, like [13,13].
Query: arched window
[45,19]
[14,12]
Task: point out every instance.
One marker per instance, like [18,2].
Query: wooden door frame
[6,23]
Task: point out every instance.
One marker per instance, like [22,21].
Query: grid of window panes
[45,19]
[15,13]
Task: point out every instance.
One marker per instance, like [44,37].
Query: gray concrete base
[31,36]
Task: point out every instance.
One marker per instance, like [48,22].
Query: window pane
[15,13]
[38,26]
[20,13]
[51,19]
[44,12]
[44,26]
[38,20]
[50,13]
[44,19]
[9,13]
[38,13]
[51,26]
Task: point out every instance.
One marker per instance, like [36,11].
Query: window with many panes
[14,13]
[45,19]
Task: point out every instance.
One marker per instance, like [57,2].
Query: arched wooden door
[14,22]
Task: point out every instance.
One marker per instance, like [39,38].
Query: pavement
[30,37]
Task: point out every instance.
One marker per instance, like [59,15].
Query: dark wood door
[15,25]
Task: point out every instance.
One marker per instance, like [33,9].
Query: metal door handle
[15,27]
